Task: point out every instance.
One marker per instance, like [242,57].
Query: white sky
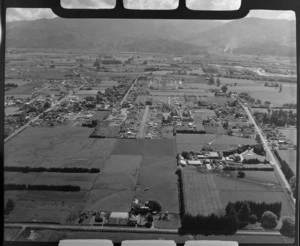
[31,14]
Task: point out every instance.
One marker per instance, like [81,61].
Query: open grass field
[120,172]
[84,180]
[201,195]
[290,156]
[234,189]
[24,178]
[155,147]
[160,148]
[157,181]
[55,196]
[207,193]
[113,188]
[189,142]
[128,147]
[12,111]
[290,133]
[44,211]
[10,233]
[258,91]
[39,215]
[61,146]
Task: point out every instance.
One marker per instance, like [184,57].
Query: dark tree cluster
[290,105]
[10,204]
[41,187]
[254,161]
[209,225]
[12,85]
[255,208]
[277,117]
[241,168]
[288,227]
[51,169]
[54,187]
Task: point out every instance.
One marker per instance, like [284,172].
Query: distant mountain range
[249,35]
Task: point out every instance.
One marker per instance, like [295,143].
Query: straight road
[132,85]
[270,155]
[116,229]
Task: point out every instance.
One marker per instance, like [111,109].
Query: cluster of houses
[203,158]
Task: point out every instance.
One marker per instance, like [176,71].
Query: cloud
[15,14]
[271,14]
[88,3]
[151,4]
[213,4]
[288,15]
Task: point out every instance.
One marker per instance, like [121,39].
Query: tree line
[277,117]
[257,208]
[241,168]
[42,187]
[28,169]
[254,161]
[209,225]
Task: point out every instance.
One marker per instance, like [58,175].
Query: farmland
[137,127]
[200,193]
[207,193]
[57,147]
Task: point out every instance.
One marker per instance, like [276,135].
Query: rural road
[115,229]
[47,110]
[132,85]
[270,155]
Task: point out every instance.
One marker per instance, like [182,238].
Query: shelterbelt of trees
[42,187]
[51,169]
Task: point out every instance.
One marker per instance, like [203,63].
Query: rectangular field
[234,189]
[84,180]
[114,187]
[200,193]
[290,133]
[290,156]
[61,146]
[158,181]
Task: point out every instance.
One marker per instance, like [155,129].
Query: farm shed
[208,166]
[148,243]
[119,215]
[182,163]
[85,242]
[194,162]
[214,155]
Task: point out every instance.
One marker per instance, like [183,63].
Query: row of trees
[42,187]
[255,161]
[27,169]
[241,168]
[209,225]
